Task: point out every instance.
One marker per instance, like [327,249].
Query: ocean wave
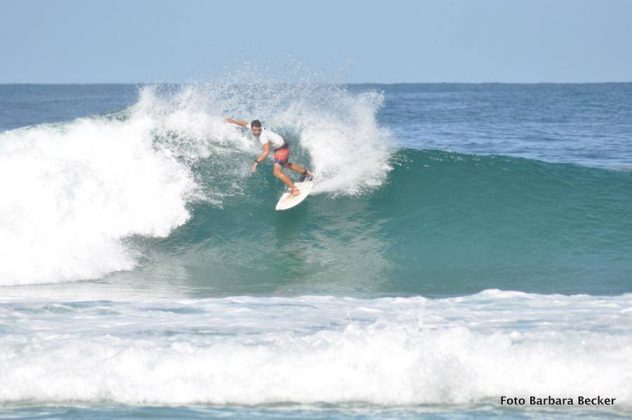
[75,193]
[164,188]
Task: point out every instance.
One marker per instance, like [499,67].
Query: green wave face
[442,224]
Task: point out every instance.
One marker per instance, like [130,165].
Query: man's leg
[278,172]
[298,168]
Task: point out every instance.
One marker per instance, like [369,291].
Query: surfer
[270,139]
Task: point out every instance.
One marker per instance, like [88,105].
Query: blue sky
[84,41]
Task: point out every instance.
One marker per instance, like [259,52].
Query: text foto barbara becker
[580,400]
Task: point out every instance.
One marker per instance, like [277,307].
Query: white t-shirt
[268,136]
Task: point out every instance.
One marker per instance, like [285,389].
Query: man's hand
[254,166]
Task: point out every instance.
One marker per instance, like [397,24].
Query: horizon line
[324,83]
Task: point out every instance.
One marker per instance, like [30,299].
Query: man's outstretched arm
[242,123]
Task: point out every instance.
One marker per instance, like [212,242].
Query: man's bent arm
[264,154]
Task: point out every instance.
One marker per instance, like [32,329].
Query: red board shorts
[281,155]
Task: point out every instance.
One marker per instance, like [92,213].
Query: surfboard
[287,201]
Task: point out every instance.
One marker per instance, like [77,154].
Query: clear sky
[84,41]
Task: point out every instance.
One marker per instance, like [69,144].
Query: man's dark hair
[256,123]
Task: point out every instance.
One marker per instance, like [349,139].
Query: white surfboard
[287,200]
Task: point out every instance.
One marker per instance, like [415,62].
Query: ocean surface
[463,242]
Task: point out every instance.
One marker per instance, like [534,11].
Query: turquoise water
[442,224]
[462,242]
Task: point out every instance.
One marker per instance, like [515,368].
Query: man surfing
[269,139]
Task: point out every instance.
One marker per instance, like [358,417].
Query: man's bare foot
[295,192]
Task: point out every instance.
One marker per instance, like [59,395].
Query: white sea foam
[403,351]
[73,193]
[330,129]
[349,151]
